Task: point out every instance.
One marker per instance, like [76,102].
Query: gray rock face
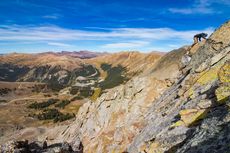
[145,116]
[116,117]
[212,135]
[189,116]
[185,61]
[36,147]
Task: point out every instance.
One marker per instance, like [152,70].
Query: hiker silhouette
[198,37]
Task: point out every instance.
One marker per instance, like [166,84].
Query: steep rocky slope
[193,115]
[168,66]
[144,116]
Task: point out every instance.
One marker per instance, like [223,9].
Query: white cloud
[55,33]
[123,45]
[195,10]
[108,39]
[200,7]
[59,44]
[51,16]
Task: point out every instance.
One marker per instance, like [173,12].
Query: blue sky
[106,25]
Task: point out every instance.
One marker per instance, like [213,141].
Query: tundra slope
[62,69]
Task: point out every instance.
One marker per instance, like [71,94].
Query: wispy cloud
[59,44]
[52,16]
[200,7]
[111,39]
[54,33]
[194,10]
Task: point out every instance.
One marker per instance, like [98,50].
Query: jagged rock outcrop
[37,147]
[110,123]
[191,116]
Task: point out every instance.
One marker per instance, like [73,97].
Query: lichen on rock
[223,92]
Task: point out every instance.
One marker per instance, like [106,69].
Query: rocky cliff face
[116,117]
[193,114]
[145,115]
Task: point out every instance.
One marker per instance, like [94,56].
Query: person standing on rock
[196,39]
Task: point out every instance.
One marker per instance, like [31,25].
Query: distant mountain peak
[83,54]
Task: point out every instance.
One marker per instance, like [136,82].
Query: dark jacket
[201,35]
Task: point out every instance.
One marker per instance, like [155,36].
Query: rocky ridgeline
[144,116]
[193,115]
[186,113]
